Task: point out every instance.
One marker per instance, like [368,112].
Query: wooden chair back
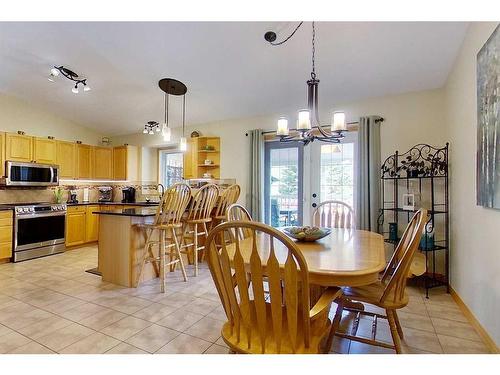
[203,202]
[237,212]
[333,214]
[228,196]
[173,204]
[288,306]
[396,272]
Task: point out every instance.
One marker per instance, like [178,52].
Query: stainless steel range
[39,230]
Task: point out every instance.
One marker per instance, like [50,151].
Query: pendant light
[183,141]
[165,131]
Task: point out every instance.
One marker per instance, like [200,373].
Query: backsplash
[144,189]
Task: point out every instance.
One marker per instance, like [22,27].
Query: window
[171,167]
[337,173]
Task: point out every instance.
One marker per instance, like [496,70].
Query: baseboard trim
[488,341]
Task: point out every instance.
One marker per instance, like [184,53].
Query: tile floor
[51,305]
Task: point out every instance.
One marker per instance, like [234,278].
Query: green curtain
[255,194]
[368,173]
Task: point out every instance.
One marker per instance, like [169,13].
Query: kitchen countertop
[145,204]
[140,212]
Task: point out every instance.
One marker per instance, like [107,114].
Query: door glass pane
[337,173]
[172,165]
[284,186]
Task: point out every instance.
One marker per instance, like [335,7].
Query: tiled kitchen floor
[51,305]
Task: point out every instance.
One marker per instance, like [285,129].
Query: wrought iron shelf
[426,168]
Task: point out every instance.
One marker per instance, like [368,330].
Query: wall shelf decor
[421,172]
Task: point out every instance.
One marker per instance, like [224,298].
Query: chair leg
[394,331]
[195,250]
[204,241]
[179,255]
[161,249]
[335,324]
[398,325]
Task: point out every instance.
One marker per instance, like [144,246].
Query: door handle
[315,195]
[314,205]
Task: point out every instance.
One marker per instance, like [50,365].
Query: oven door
[38,230]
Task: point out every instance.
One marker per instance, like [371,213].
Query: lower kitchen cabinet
[5,234]
[75,225]
[91,223]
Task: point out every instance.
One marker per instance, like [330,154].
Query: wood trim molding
[488,341]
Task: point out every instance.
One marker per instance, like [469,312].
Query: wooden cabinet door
[18,147]
[188,168]
[120,163]
[66,159]
[84,161]
[5,234]
[75,228]
[103,163]
[91,224]
[44,150]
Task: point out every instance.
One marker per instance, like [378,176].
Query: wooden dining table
[346,257]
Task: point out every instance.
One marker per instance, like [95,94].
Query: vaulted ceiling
[230,71]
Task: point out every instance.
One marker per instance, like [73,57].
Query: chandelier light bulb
[54,72]
[282,126]
[87,88]
[167,133]
[74,90]
[338,122]
[183,144]
[151,132]
[157,129]
[304,121]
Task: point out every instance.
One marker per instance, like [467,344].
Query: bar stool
[195,224]
[166,222]
[228,197]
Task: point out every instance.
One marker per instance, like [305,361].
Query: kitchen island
[121,245]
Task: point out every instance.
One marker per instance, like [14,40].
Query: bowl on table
[306,233]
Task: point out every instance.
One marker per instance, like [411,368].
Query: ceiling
[230,71]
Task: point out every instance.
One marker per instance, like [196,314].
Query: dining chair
[237,212]
[388,293]
[283,321]
[166,223]
[227,197]
[195,223]
[333,214]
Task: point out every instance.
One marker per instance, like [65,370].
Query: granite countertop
[145,204]
[6,208]
[141,212]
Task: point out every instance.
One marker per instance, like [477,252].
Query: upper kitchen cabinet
[83,161]
[125,163]
[44,151]
[66,159]
[103,163]
[18,147]
[2,154]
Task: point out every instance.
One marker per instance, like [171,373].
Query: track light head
[270,36]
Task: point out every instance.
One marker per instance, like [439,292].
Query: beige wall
[409,119]
[17,115]
[475,253]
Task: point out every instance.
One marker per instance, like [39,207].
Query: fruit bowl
[306,233]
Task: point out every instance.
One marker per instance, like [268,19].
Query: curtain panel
[368,173]
[255,193]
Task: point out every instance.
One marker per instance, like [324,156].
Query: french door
[298,178]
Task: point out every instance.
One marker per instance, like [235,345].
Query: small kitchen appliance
[128,194]
[105,194]
[72,196]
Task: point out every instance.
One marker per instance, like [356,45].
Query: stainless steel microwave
[30,174]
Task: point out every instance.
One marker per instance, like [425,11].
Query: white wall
[409,119]
[17,115]
[475,252]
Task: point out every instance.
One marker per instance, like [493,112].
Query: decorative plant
[58,193]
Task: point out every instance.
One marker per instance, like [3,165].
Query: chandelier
[169,86]
[308,125]
[71,75]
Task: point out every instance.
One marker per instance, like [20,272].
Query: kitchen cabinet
[2,154]
[125,163]
[44,151]
[91,223]
[75,225]
[198,150]
[5,235]
[83,161]
[189,160]
[103,163]
[66,159]
[18,147]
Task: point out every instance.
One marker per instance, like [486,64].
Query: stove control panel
[40,209]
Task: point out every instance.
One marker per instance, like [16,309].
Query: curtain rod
[381,119]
